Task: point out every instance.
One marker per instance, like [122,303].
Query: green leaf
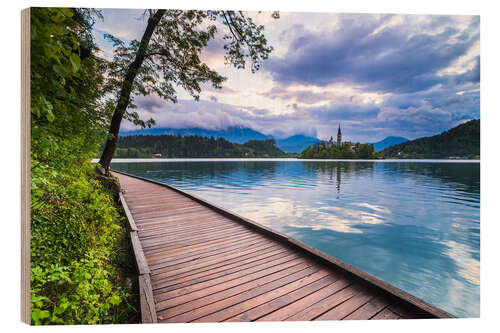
[50,115]
[75,61]
[114,300]
[38,314]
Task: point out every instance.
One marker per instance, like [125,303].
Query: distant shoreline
[169,160]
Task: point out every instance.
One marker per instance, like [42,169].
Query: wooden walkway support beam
[198,262]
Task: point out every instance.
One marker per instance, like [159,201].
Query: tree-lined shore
[177,146]
[321,150]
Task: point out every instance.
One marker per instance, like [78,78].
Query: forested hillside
[177,146]
[462,141]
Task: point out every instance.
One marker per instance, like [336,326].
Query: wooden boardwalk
[200,263]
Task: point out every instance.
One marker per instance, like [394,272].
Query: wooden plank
[128,214]
[222,260]
[186,219]
[166,214]
[386,314]
[179,244]
[295,307]
[209,274]
[229,280]
[146,316]
[266,303]
[324,305]
[295,265]
[148,311]
[172,206]
[142,264]
[176,248]
[368,310]
[179,227]
[178,224]
[159,257]
[168,234]
[211,303]
[206,254]
[150,244]
[348,307]
[189,279]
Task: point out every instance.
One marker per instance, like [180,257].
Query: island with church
[339,150]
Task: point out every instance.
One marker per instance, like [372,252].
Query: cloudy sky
[376,75]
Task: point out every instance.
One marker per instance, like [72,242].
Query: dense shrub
[77,234]
[75,230]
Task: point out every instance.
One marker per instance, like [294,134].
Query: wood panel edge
[25,166]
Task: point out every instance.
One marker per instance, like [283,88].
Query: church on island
[339,141]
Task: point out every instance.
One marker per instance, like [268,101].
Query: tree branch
[229,25]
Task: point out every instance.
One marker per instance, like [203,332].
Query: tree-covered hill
[461,141]
[177,146]
[321,150]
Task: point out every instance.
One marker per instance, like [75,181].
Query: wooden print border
[25,165]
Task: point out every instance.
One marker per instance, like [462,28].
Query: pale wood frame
[25,165]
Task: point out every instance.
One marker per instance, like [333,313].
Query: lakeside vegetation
[462,142]
[321,150]
[177,146]
[79,249]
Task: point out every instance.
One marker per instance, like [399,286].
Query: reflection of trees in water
[202,171]
[339,170]
[460,176]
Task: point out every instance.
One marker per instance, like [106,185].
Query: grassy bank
[81,271]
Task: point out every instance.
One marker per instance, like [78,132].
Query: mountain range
[238,134]
[235,134]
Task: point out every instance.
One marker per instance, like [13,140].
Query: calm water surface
[412,224]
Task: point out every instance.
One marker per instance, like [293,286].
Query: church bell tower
[339,137]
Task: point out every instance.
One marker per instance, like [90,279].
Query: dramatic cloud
[333,112]
[363,50]
[376,75]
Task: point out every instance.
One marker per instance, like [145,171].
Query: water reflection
[415,225]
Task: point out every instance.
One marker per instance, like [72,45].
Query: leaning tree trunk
[126,89]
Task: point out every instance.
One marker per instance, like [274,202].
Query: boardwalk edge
[148,311]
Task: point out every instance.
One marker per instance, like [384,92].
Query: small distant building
[351,145]
[155,155]
[339,137]
[330,143]
[271,141]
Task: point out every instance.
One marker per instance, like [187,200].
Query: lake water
[412,224]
